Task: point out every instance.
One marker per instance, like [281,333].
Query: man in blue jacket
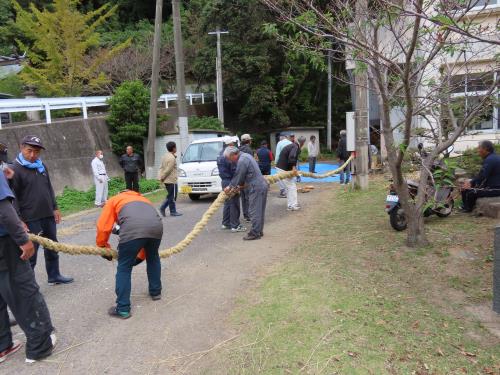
[487,182]
[231,211]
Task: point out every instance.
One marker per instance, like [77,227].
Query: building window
[470,90]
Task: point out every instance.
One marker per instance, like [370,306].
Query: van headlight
[182,173]
[215,172]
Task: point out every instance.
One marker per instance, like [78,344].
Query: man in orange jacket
[140,228]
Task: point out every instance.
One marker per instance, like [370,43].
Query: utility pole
[218,66]
[179,72]
[329,112]
[153,105]
[361,114]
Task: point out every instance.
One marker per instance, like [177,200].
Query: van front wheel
[194,197]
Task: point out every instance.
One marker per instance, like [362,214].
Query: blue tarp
[320,169]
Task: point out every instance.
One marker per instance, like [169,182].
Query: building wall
[70,146]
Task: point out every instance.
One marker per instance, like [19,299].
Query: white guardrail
[83,103]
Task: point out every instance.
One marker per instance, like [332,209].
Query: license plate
[186,189]
[392,198]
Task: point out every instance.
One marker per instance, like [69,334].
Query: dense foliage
[128,116]
[206,123]
[266,84]
[61,45]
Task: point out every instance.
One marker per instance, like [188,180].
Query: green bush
[12,85]
[72,200]
[471,162]
[304,154]
[205,122]
[129,116]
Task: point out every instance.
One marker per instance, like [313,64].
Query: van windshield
[198,152]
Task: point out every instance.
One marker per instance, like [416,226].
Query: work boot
[61,280]
[251,237]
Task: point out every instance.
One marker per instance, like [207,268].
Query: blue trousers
[170,199]
[127,253]
[47,228]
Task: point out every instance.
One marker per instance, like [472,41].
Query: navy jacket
[226,169]
[489,175]
[264,155]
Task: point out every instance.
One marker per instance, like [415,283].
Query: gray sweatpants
[231,212]
[19,291]
[257,209]
[245,204]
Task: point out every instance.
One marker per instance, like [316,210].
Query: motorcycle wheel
[398,219]
[446,210]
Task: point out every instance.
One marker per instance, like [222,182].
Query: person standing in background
[167,174]
[132,166]
[313,152]
[246,141]
[284,141]
[264,158]
[100,179]
[37,203]
[343,155]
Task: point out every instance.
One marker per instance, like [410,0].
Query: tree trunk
[415,232]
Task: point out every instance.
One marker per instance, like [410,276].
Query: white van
[198,172]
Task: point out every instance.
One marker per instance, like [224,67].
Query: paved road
[200,287]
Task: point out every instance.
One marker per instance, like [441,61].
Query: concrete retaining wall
[70,146]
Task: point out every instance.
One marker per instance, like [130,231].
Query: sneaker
[53,338]
[251,237]
[156,297]
[61,280]
[293,208]
[16,345]
[282,195]
[239,228]
[175,214]
[118,314]
[224,227]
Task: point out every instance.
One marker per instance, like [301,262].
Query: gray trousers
[19,291]
[231,212]
[245,194]
[258,200]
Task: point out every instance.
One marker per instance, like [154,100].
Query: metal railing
[83,103]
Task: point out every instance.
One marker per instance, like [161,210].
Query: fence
[83,103]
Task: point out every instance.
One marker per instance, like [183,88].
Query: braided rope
[197,229]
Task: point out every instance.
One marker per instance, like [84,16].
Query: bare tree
[417,55]
[134,63]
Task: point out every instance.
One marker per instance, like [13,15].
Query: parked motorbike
[442,199]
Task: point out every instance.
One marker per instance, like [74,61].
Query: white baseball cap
[246,137]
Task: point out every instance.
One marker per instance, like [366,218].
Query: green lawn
[354,300]
[72,200]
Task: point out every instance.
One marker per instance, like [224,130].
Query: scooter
[443,201]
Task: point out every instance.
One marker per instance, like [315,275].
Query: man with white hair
[281,144]
[288,162]
[248,175]
[100,179]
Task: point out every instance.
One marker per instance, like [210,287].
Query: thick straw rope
[197,229]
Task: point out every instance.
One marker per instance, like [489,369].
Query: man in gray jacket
[248,176]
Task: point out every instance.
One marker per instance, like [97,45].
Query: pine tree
[62,48]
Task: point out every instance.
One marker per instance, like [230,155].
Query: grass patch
[354,300]
[72,200]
